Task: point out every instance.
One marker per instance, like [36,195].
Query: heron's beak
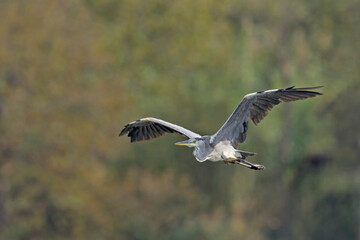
[185,143]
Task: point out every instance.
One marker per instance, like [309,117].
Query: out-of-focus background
[73,73]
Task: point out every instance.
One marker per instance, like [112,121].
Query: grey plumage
[222,146]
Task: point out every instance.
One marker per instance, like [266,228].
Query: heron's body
[223,145]
[206,151]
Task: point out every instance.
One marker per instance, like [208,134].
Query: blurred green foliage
[72,73]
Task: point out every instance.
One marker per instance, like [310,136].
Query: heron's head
[192,142]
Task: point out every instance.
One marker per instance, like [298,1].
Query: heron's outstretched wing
[149,128]
[256,106]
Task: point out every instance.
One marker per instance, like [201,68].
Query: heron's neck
[199,153]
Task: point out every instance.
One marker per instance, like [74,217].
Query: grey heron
[223,145]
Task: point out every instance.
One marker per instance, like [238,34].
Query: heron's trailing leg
[244,163]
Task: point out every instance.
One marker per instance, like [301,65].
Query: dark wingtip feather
[304,91]
[125,130]
[305,88]
[290,87]
[309,88]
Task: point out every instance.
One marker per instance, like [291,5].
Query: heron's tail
[244,154]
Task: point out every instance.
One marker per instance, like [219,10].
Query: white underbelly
[222,152]
[214,158]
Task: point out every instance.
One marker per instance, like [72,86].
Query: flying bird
[223,145]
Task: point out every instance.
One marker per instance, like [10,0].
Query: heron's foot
[250,165]
[257,167]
